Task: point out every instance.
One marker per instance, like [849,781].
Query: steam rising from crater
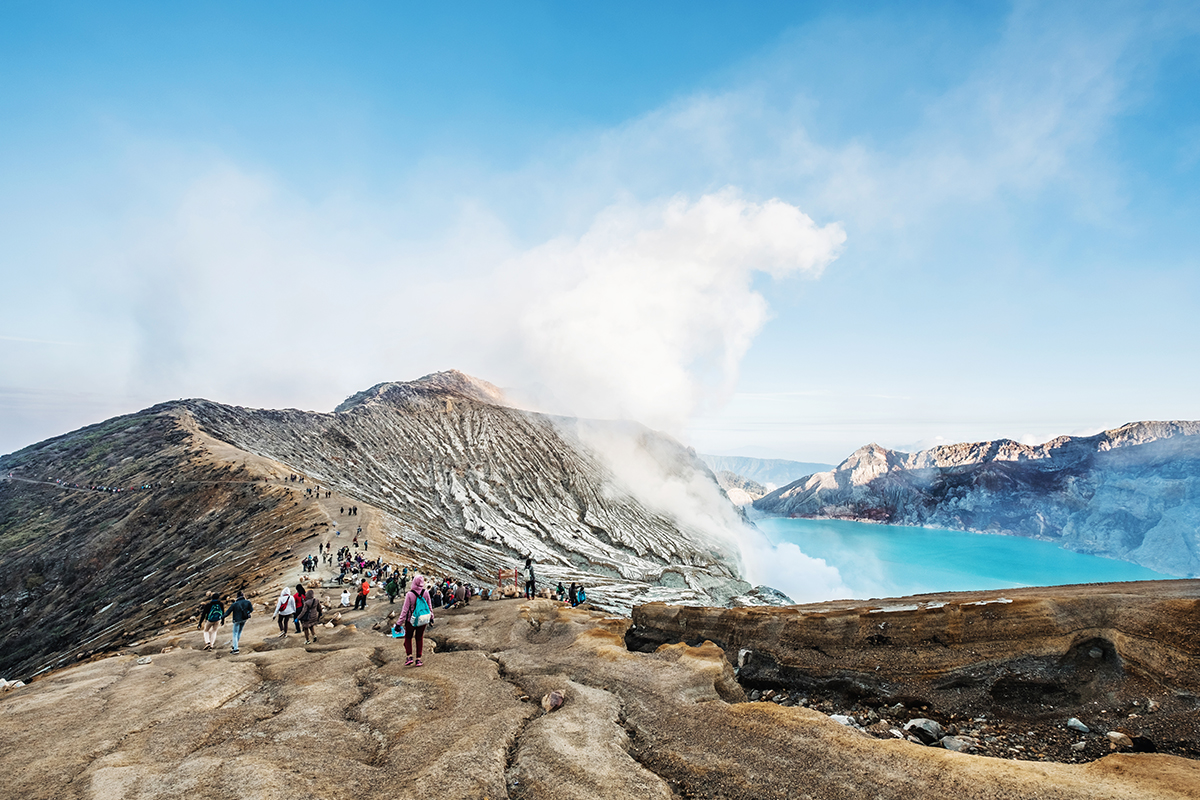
[647,316]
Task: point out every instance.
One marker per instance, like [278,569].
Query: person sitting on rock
[345,598]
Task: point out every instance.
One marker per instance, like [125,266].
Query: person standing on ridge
[212,613]
[417,613]
[530,579]
[240,610]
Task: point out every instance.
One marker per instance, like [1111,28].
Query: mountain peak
[439,384]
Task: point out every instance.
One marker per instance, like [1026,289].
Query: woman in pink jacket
[412,612]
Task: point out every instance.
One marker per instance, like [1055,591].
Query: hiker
[560,592]
[530,580]
[212,613]
[240,610]
[573,594]
[417,613]
[309,616]
[285,607]
[298,596]
[580,596]
[392,587]
[360,601]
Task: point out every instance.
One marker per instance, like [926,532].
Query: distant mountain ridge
[1131,492]
[770,472]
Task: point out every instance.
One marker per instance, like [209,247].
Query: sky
[774,229]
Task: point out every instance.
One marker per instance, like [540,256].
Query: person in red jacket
[361,600]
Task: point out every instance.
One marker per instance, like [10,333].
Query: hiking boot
[418,663]
[234,652]
[408,662]
[208,647]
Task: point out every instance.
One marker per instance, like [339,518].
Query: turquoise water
[890,561]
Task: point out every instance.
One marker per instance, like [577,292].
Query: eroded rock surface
[344,719]
[1112,655]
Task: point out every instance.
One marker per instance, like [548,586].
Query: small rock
[1151,706]
[1120,739]
[928,731]
[1095,652]
[1075,725]
[554,700]
[144,660]
[755,696]
[768,694]
[959,744]
[1078,746]
[899,734]
[328,624]
[842,719]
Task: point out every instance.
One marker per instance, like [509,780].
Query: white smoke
[648,314]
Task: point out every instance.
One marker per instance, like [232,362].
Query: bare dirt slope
[345,719]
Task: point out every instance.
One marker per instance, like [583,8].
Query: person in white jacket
[285,607]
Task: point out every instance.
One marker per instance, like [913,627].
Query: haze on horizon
[781,229]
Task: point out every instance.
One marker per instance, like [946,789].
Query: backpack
[421,615]
[214,613]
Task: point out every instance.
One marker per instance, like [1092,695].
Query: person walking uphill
[240,610]
[212,613]
[285,607]
[309,615]
[416,613]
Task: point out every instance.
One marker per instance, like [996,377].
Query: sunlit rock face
[1131,493]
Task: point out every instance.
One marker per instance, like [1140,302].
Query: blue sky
[783,229]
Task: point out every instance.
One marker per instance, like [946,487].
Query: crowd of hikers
[299,606]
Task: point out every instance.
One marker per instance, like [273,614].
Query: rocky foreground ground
[344,718]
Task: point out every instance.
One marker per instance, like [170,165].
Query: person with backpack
[530,580]
[417,613]
[212,614]
[285,607]
[240,610]
[309,615]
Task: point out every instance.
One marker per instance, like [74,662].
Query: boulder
[926,730]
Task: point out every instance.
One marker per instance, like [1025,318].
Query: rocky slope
[106,533]
[344,719]
[1131,493]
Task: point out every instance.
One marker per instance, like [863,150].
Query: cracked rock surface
[344,719]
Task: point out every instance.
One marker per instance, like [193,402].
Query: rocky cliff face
[108,533]
[1131,493]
